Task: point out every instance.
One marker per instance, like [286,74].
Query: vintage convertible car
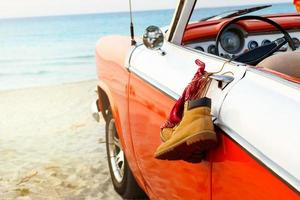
[255,96]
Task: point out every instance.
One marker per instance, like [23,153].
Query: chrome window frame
[180,20]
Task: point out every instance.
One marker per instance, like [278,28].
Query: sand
[50,146]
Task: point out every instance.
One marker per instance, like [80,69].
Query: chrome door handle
[223,80]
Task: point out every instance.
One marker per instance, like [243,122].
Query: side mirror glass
[153,38]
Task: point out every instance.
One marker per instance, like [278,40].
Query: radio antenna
[133,42]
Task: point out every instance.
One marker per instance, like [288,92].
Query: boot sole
[190,149]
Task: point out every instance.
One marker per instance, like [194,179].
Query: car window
[216,9]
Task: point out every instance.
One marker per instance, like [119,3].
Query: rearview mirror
[153,38]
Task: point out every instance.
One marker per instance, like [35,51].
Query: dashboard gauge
[232,41]
[199,48]
[296,42]
[252,45]
[211,49]
[265,42]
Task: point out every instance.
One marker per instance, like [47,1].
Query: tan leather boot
[194,134]
[166,134]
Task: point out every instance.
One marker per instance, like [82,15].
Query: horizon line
[112,12]
[87,13]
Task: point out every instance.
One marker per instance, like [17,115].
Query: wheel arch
[105,101]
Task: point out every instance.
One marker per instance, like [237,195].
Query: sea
[50,50]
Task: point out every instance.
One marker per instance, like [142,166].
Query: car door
[258,155]
[156,81]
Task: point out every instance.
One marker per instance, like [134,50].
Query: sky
[25,8]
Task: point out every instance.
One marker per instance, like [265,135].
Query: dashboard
[236,41]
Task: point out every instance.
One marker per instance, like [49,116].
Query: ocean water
[50,50]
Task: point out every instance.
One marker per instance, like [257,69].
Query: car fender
[112,60]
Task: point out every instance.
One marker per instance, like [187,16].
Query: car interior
[269,42]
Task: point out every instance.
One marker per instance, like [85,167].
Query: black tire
[127,186]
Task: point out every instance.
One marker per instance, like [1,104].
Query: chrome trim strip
[282,173]
[129,55]
[154,83]
[292,181]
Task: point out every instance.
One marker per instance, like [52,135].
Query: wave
[61,63]
[38,72]
[79,57]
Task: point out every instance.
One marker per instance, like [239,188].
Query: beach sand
[50,147]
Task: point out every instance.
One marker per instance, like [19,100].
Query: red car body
[139,108]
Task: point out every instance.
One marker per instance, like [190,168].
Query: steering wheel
[254,56]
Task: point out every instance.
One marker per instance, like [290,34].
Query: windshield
[216,9]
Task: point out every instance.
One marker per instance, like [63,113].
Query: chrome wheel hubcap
[116,154]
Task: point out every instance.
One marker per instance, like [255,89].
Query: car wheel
[121,175]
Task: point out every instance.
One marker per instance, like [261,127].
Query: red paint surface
[148,108]
[297,5]
[237,175]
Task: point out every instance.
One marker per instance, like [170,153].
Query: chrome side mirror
[153,38]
